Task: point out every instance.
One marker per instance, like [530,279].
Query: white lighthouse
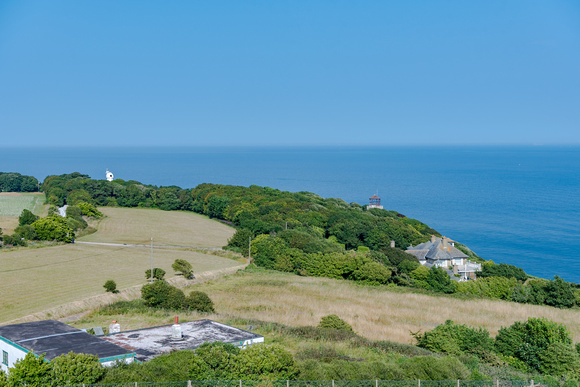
[109,175]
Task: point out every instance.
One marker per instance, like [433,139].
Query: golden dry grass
[377,313]
[33,280]
[170,228]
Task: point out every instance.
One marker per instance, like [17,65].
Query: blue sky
[289,72]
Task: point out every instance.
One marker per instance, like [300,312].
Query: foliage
[183,267]
[490,269]
[334,322]
[53,228]
[155,294]
[30,371]
[455,339]
[74,368]
[27,232]
[15,182]
[200,302]
[529,340]
[560,293]
[241,240]
[489,287]
[158,273]
[26,218]
[89,210]
[559,359]
[111,286]
[439,281]
[77,196]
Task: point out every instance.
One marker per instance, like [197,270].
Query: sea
[512,204]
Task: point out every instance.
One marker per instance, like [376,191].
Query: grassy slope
[377,313]
[136,225]
[32,280]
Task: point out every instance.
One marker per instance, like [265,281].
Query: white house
[53,338]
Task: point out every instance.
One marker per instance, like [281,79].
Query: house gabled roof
[55,338]
[436,249]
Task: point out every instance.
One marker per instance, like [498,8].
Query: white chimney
[176,333]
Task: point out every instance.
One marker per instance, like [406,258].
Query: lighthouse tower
[375,202]
[110,176]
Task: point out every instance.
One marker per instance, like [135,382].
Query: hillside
[36,279]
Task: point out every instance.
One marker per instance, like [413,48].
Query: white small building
[109,175]
[54,338]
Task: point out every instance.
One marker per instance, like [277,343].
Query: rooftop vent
[176,333]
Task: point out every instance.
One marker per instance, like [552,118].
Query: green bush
[155,294]
[158,273]
[26,218]
[334,322]
[89,210]
[111,286]
[559,359]
[455,339]
[439,281]
[74,368]
[53,228]
[200,302]
[183,267]
[527,341]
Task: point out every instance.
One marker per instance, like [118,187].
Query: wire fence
[324,383]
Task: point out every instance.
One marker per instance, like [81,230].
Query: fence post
[287,383]
[333,383]
[497,383]
[419,382]
[376,382]
[457,382]
[532,383]
[240,382]
[189,383]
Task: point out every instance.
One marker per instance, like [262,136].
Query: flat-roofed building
[54,338]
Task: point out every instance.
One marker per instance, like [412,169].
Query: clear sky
[289,72]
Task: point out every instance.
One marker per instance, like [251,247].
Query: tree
[160,294]
[200,302]
[560,293]
[158,273]
[89,210]
[183,267]
[26,217]
[111,286]
[30,371]
[74,368]
[439,281]
[455,339]
[53,228]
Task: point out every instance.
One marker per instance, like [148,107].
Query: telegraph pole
[151,259]
[250,249]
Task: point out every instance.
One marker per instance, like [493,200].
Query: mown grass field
[168,228]
[12,204]
[377,313]
[37,279]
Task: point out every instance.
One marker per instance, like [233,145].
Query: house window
[5,357]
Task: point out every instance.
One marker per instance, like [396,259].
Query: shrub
[89,210]
[200,302]
[528,340]
[155,294]
[53,228]
[30,371]
[183,267]
[74,368]
[158,273]
[27,232]
[560,293]
[26,218]
[439,281]
[455,339]
[111,286]
[334,322]
[175,299]
[559,359]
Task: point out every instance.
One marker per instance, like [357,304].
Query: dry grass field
[377,313]
[33,280]
[168,228]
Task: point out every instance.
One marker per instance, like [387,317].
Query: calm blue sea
[518,205]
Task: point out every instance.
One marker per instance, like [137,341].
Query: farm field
[12,204]
[33,280]
[168,228]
